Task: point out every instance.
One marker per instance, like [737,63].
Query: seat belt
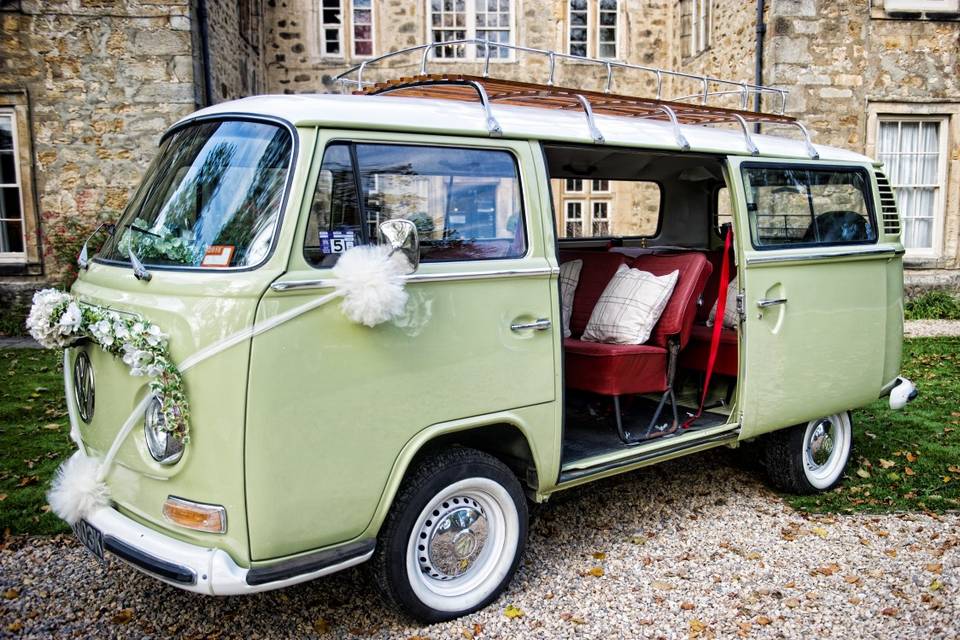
[717,323]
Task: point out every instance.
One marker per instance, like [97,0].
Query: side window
[807,206]
[466,203]
[600,208]
[723,209]
[334,224]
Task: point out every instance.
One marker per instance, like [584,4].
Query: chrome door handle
[537,325]
[770,302]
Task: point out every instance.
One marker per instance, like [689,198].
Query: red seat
[697,352]
[612,369]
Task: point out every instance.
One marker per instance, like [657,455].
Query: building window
[601,219]
[250,13]
[490,20]
[11,191]
[362,18]
[336,25]
[331,28]
[600,186]
[695,26]
[913,152]
[573,219]
[573,185]
[599,19]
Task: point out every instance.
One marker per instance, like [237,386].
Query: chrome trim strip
[329,283]
[868,253]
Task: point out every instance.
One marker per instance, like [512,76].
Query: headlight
[163,446]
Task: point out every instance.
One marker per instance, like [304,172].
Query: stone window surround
[947,254]
[471,33]
[29,262]
[593,30]
[346,33]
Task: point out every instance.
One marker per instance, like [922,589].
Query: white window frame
[341,31]
[373,31]
[16,257]
[943,125]
[701,26]
[568,189]
[470,31]
[594,188]
[592,28]
[616,32]
[582,219]
[594,204]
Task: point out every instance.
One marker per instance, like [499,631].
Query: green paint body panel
[305,431]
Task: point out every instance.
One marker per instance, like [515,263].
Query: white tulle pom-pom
[371,282]
[75,491]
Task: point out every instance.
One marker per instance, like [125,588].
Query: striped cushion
[629,307]
[569,277]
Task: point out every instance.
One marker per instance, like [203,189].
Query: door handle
[770,302]
[541,324]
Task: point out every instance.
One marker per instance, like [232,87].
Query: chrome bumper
[212,571]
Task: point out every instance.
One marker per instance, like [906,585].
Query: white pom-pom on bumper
[370,278]
[76,490]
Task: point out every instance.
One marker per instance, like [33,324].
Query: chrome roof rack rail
[695,108]
[354,75]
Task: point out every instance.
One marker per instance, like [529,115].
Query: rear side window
[803,206]
[465,203]
[599,208]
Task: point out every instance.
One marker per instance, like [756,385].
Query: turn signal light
[193,515]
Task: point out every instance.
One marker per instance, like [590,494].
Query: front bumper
[208,570]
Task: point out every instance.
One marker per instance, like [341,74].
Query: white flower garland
[57,320]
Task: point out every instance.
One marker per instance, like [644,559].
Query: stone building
[87,87]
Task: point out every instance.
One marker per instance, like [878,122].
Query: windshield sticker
[218,256]
[337,241]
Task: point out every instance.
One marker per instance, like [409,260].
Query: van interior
[659,213]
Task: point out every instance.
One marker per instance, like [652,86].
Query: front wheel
[811,457]
[454,536]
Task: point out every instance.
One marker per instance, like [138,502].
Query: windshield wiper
[140,272]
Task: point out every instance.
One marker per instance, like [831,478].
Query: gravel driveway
[693,548]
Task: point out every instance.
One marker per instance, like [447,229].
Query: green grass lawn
[908,460]
[33,438]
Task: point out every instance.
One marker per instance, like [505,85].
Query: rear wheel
[811,457]
[454,536]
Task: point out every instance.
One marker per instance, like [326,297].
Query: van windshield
[210,199]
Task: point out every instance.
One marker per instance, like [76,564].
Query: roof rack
[686,109]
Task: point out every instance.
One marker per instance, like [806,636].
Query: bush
[935,305]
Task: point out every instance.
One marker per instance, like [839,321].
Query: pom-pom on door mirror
[401,236]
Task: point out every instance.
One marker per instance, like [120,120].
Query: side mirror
[401,236]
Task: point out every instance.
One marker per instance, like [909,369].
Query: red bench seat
[697,352]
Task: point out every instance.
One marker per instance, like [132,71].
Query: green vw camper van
[591,283]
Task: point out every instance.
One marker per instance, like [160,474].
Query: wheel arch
[506,436]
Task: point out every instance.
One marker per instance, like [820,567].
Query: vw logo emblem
[83,386]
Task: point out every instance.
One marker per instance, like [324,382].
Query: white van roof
[435,116]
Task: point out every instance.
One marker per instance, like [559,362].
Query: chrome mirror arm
[83,260]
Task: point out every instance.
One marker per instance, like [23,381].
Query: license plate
[90,536]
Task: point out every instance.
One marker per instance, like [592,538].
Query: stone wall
[845,63]
[104,79]
[295,64]
[236,45]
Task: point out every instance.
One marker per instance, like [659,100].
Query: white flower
[120,330]
[154,336]
[154,370]
[70,319]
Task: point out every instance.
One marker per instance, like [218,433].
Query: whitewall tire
[454,536]
[810,457]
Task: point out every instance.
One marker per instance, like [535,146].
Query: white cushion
[629,307]
[569,279]
[730,318]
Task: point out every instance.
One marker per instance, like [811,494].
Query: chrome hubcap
[452,538]
[821,443]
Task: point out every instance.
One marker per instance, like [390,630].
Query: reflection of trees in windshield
[263,194]
[184,210]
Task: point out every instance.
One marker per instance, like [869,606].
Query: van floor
[589,428]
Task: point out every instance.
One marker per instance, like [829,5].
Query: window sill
[20,269]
